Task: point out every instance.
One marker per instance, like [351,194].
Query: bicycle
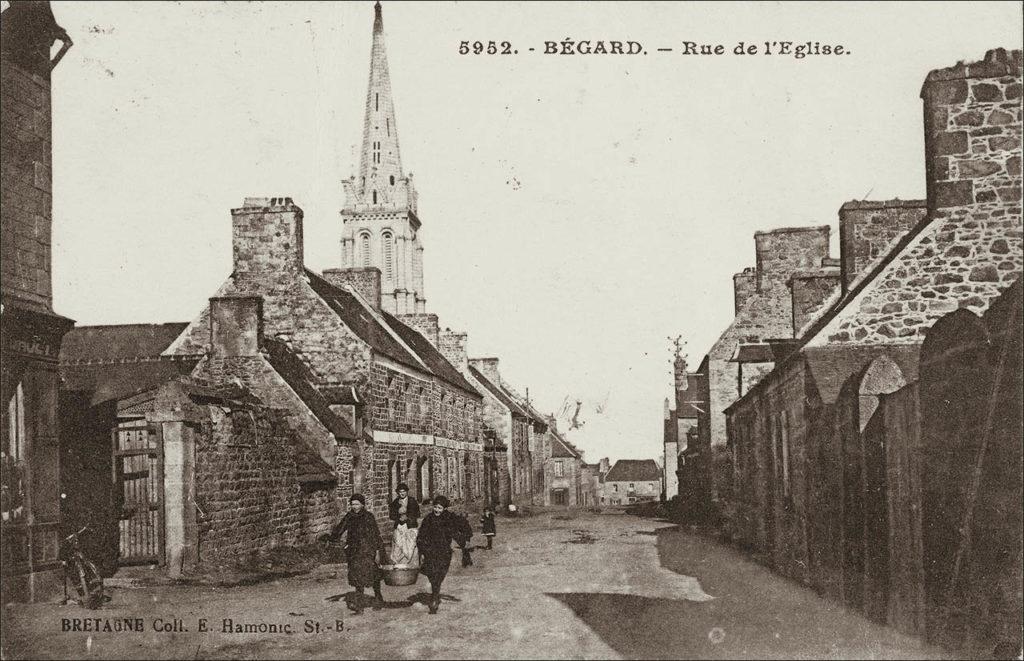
[82,573]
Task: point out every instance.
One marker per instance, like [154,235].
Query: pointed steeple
[380,164]
[380,228]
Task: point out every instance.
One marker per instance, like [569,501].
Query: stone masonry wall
[767,313]
[25,194]
[246,487]
[971,249]
[810,289]
[869,229]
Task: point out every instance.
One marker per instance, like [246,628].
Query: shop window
[12,482]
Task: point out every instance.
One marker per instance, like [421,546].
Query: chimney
[868,230]
[972,132]
[809,290]
[743,286]
[267,236]
[452,346]
[365,280]
[426,324]
[782,251]
[236,326]
[488,367]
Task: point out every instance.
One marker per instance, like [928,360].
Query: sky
[578,211]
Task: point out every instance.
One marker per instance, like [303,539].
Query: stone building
[30,517]
[204,469]
[512,424]
[818,443]
[563,470]
[415,417]
[632,481]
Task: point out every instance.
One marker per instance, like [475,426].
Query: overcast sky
[577,211]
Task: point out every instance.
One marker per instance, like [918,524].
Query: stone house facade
[414,416]
[512,424]
[30,511]
[563,470]
[812,440]
[632,481]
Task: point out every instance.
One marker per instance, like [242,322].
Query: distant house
[632,481]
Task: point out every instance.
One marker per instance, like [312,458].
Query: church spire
[380,164]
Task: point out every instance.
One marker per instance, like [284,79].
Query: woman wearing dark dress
[362,547]
[437,532]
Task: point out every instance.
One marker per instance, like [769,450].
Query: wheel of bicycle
[90,584]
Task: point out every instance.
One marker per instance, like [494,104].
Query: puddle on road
[581,537]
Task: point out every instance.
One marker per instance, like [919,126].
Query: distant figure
[513,510]
[404,512]
[364,548]
[437,532]
[488,526]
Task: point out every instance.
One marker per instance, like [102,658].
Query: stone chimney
[972,132]
[488,367]
[236,326]
[782,251]
[810,288]
[425,323]
[869,229]
[365,280]
[452,346]
[743,286]
[267,237]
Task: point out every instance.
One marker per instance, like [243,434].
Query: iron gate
[138,480]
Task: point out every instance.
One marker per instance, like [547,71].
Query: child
[489,529]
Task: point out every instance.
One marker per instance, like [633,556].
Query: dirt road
[555,586]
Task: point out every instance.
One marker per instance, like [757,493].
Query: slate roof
[752,353]
[499,393]
[301,379]
[116,380]
[634,470]
[426,351]
[118,343]
[417,353]
[562,449]
[116,361]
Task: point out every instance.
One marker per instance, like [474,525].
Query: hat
[442,501]
[402,487]
[357,496]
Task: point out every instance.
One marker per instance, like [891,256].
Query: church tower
[379,223]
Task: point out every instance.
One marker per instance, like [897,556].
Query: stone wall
[365,280]
[869,229]
[810,289]
[25,139]
[971,249]
[744,285]
[426,324]
[246,489]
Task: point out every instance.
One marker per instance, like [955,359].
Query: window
[615,488]
[388,125]
[392,180]
[387,241]
[559,468]
[376,101]
[364,248]
[13,466]
[632,486]
[375,197]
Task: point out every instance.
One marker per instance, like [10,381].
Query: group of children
[427,541]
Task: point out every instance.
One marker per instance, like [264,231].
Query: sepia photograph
[521,330]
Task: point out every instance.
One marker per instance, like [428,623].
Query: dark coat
[437,532]
[488,524]
[412,512]
[361,545]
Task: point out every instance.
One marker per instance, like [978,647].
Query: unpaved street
[556,586]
